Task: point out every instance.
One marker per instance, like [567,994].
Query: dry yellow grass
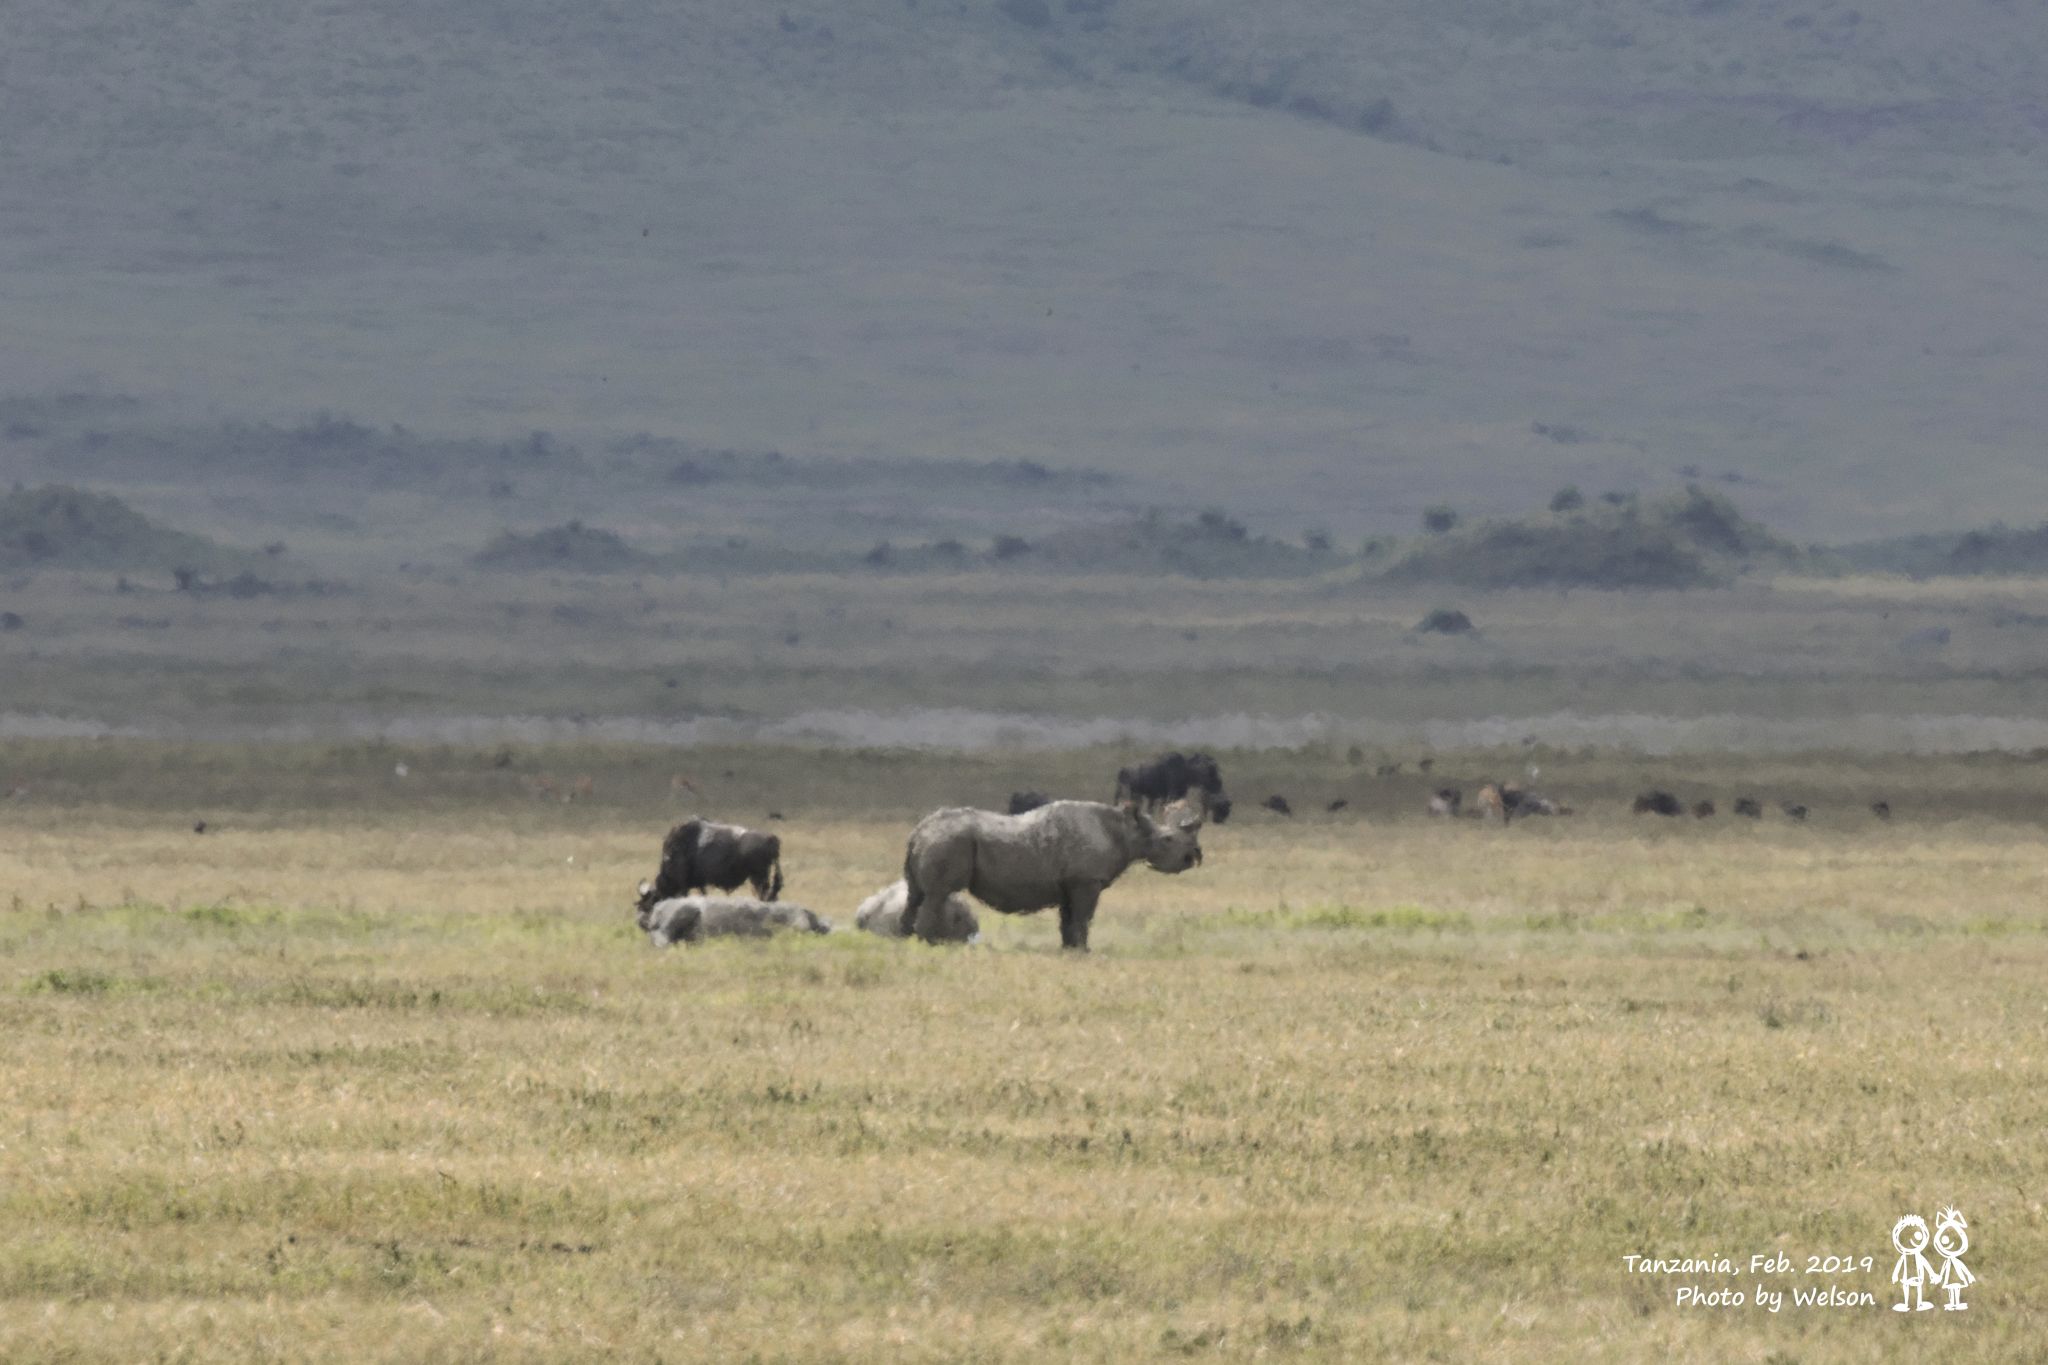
[374,1085]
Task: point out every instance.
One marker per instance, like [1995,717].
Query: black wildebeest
[1021,802]
[1171,776]
[1658,803]
[699,855]
[1277,804]
[1749,806]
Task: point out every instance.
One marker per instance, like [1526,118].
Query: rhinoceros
[1063,854]
[882,913]
[688,919]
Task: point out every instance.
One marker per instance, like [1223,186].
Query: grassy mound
[1213,545]
[576,547]
[60,527]
[1694,539]
[1997,549]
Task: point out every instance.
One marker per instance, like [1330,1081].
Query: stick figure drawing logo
[1913,1275]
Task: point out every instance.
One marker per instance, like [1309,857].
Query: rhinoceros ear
[1192,822]
[646,887]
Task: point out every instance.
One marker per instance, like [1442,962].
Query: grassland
[377,1069]
[450,643]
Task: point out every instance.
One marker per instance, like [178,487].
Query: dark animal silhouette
[1021,802]
[1446,802]
[1171,776]
[1278,805]
[1795,811]
[1339,804]
[700,855]
[1749,806]
[1517,800]
[1703,810]
[1658,803]
[1064,854]
[1881,809]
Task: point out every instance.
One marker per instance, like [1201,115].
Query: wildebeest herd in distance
[1040,854]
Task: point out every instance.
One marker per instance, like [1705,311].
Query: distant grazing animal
[1749,806]
[1703,810]
[1881,809]
[199,828]
[882,913]
[689,919]
[681,783]
[1446,802]
[1025,801]
[1064,854]
[1171,776]
[1339,804]
[1658,803]
[584,789]
[1795,811]
[1491,805]
[1387,770]
[1519,800]
[1277,804]
[1426,764]
[547,786]
[700,855]
[775,815]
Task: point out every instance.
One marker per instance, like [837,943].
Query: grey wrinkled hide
[1064,854]
[689,919]
[882,913]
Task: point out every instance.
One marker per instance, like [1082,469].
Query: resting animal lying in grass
[689,919]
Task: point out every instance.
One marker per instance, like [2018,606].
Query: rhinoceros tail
[775,880]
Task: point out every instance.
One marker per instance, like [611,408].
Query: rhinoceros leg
[1077,909]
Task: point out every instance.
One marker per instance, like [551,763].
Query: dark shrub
[1445,621]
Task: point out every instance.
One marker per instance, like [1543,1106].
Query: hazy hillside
[1321,263]
[56,527]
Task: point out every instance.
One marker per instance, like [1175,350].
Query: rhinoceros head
[1170,844]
